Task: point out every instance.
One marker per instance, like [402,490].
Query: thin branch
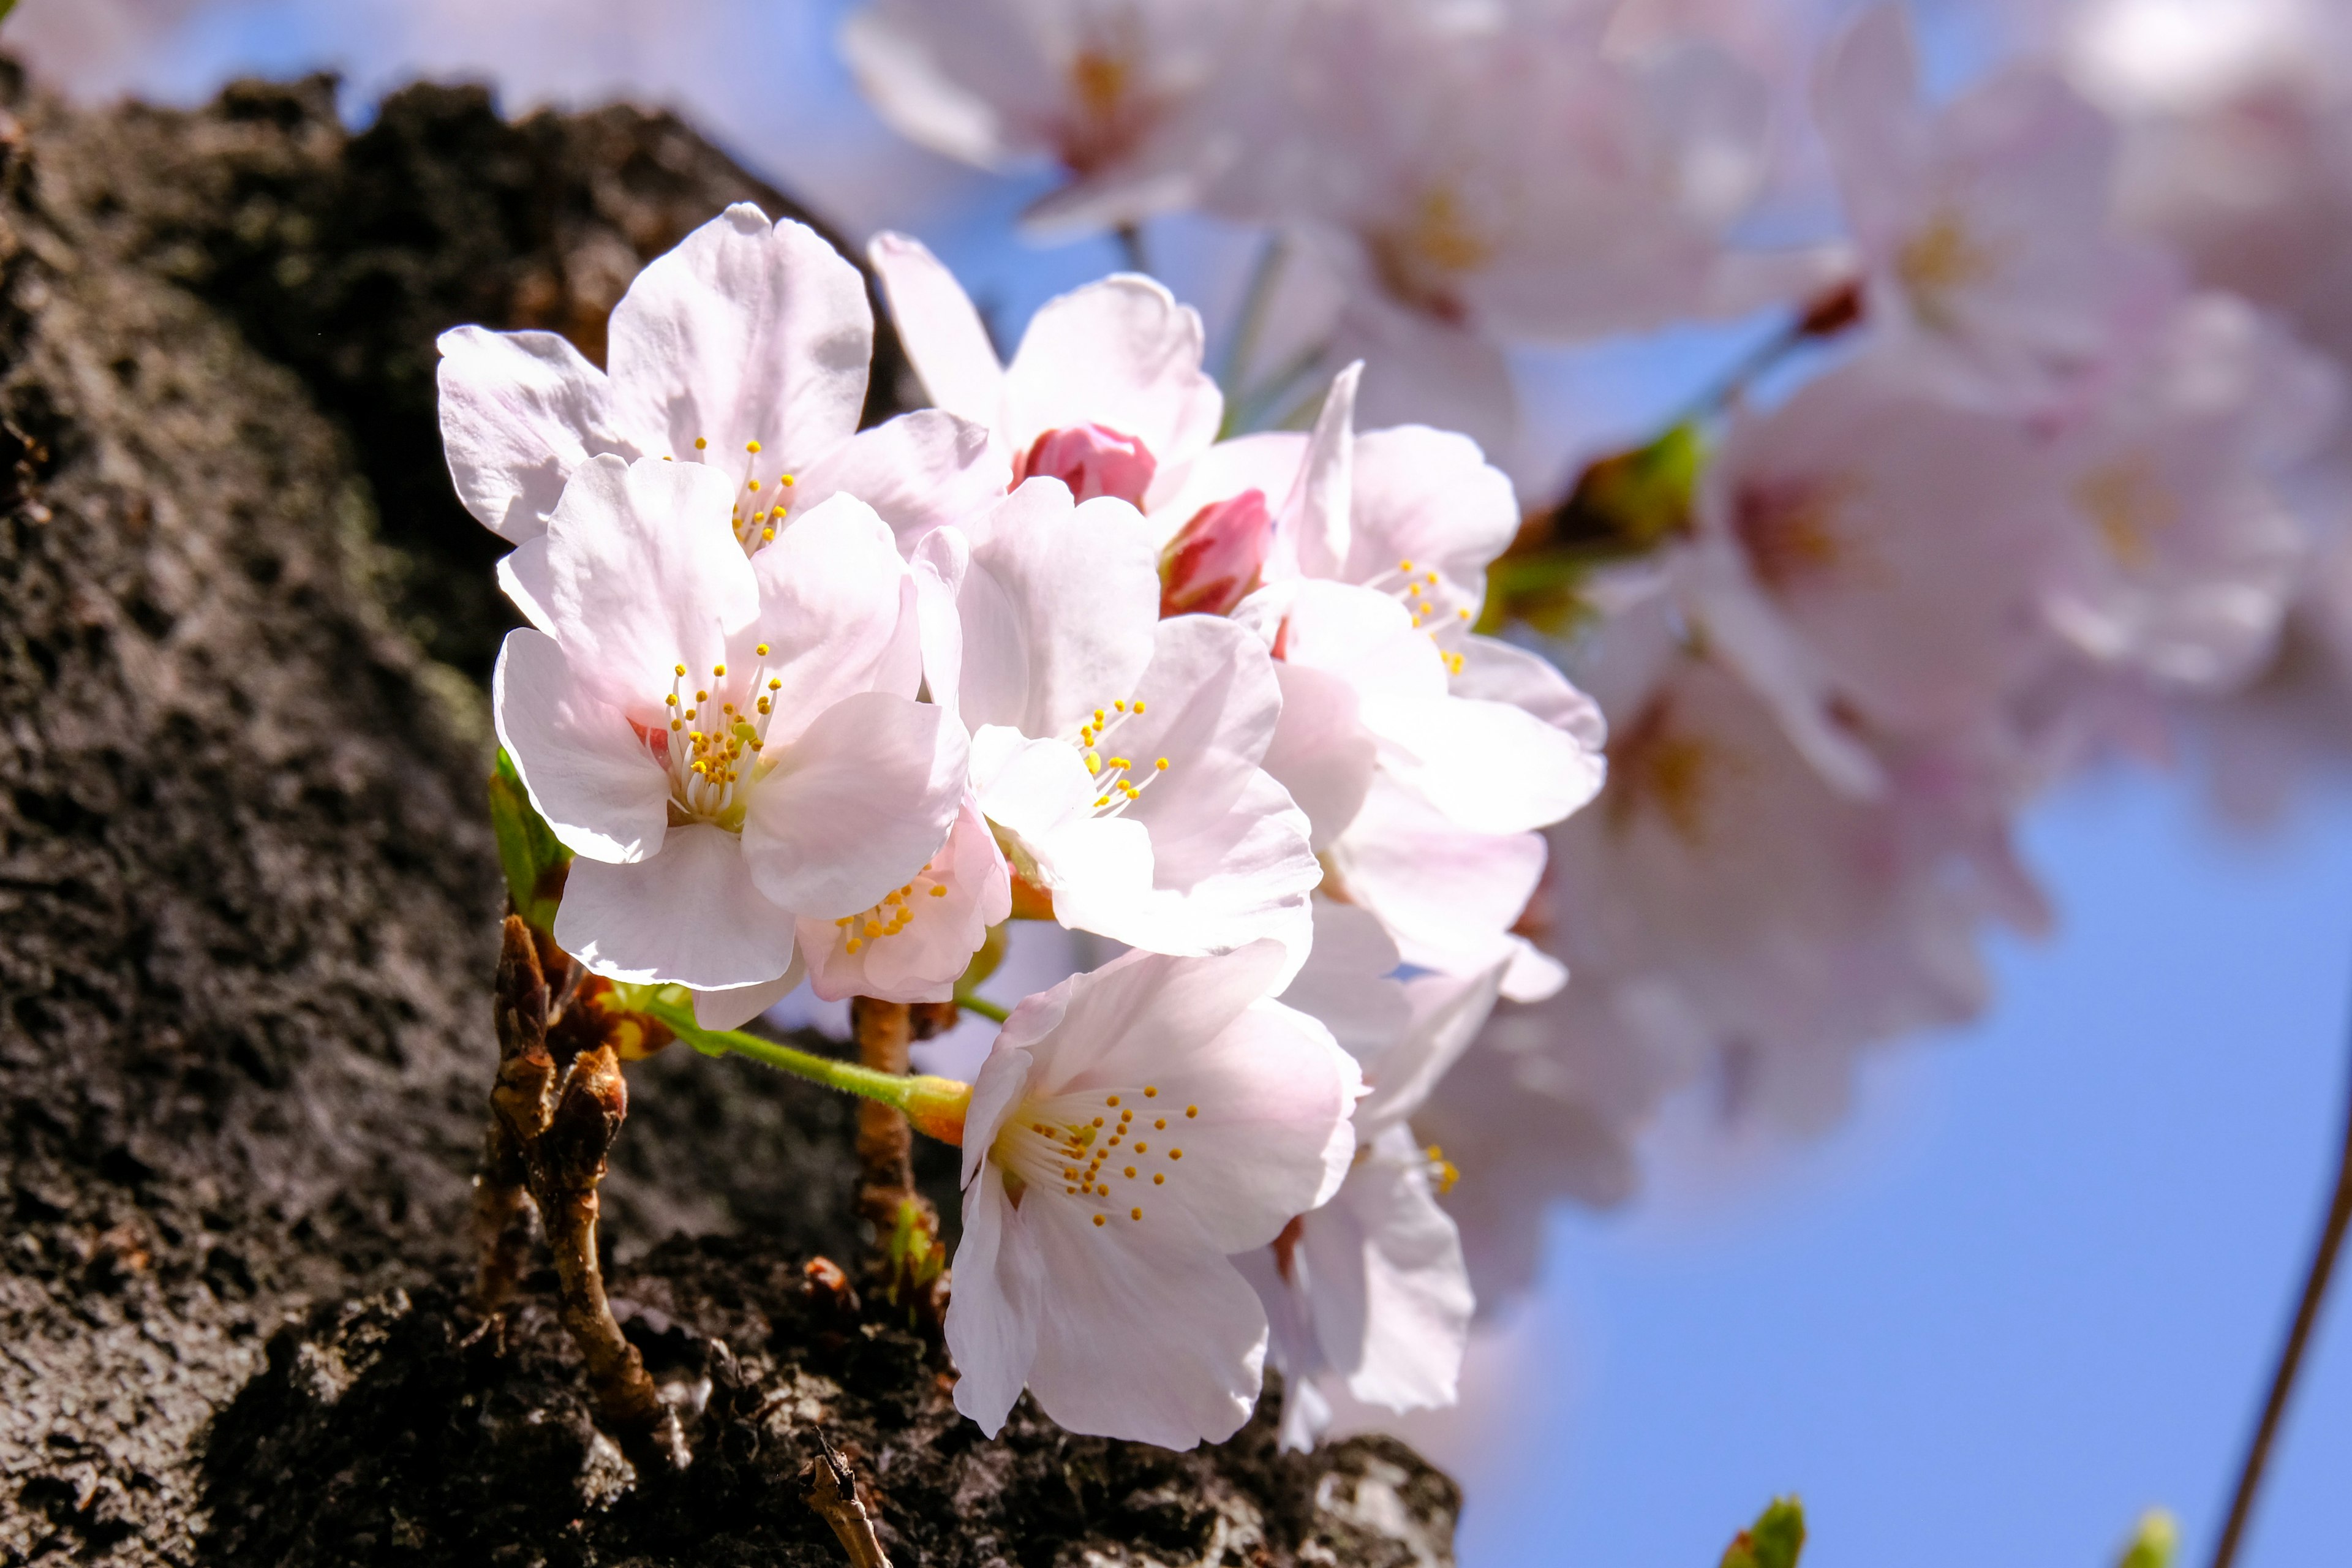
[2290,1362]
[1130,246]
[832,1492]
[1242,347]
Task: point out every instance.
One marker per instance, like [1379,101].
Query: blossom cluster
[2048,464]
[815,705]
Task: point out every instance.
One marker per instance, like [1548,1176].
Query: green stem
[890,1088]
[983,1007]
[1243,346]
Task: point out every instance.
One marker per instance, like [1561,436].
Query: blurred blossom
[1120,95]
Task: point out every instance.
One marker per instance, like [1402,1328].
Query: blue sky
[2034,1283]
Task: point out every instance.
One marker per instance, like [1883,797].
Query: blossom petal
[836,603]
[856,804]
[1267,462]
[1345,984]
[1209,703]
[1312,531]
[1059,608]
[919,471]
[1137,1340]
[1489,766]
[1390,1294]
[994,1316]
[1428,497]
[1122,353]
[586,771]
[944,337]
[1321,752]
[1213,886]
[744,332]
[734,1008]
[1448,897]
[688,915]
[519,411]
[1497,671]
[524,578]
[645,575]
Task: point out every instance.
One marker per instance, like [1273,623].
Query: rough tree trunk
[248,909]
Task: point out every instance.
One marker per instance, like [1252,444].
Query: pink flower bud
[1213,562]
[1093,460]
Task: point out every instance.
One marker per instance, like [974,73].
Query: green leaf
[1624,505]
[529,853]
[2154,1543]
[1775,1540]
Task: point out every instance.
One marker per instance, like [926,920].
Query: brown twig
[906,1225]
[886,1144]
[832,1492]
[562,1130]
[2290,1362]
[502,1215]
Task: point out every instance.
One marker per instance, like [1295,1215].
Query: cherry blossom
[1723,896]
[745,349]
[1104,392]
[1370,1290]
[1985,227]
[1868,551]
[1423,755]
[917,938]
[1116,755]
[1131,1128]
[724,743]
[1121,95]
[1511,172]
[2185,551]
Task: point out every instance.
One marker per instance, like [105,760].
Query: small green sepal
[1775,1540]
[534,860]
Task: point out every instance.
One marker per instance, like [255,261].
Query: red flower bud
[1093,460]
[1214,561]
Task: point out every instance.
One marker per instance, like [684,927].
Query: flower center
[1789,530]
[1421,259]
[897,910]
[1939,259]
[1105,1151]
[712,744]
[758,511]
[1120,783]
[2129,506]
[1654,766]
[1417,588]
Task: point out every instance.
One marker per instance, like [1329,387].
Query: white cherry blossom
[1423,755]
[745,349]
[1370,1290]
[1116,755]
[724,743]
[2184,552]
[1511,172]
[917,938]
[1131,1128]
[1104,392]
[1984,227]
[1867,550]
[1736,904]
[1120,94]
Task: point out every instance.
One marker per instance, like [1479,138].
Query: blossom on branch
[726,744]
[1131,1128]
[1116,754]
[744,350]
